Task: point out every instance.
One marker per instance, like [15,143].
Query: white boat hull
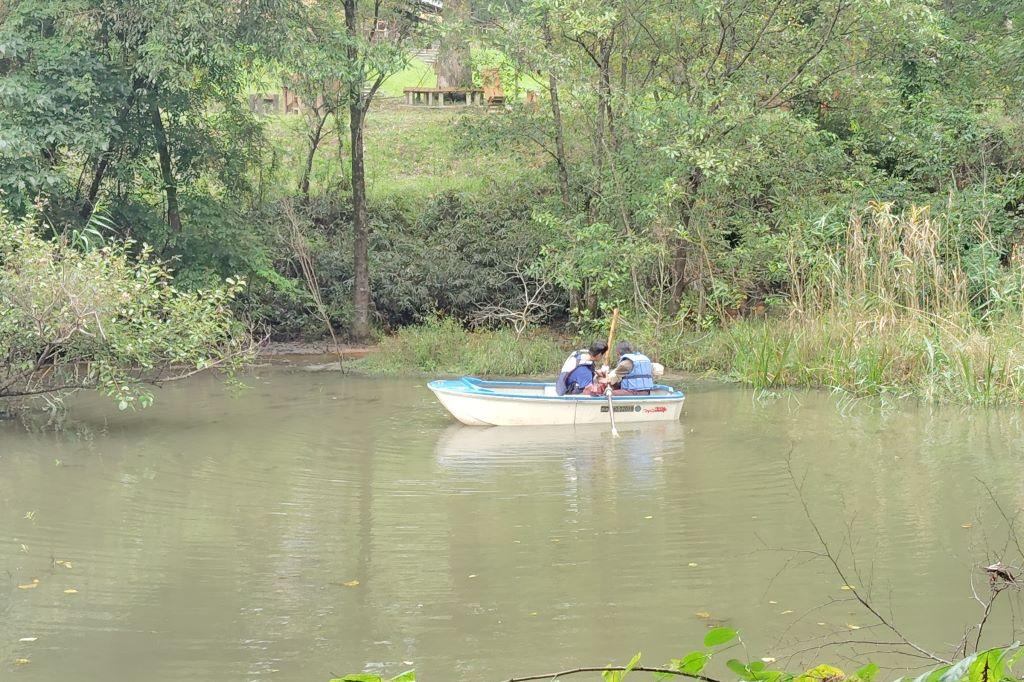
[479,403]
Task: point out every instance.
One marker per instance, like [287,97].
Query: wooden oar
[608,389]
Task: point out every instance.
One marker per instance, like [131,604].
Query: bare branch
[833,560]
[611,668]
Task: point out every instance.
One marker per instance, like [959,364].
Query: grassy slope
[418,74]
[411,152]
[414,152]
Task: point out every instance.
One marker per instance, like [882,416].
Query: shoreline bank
[860,355]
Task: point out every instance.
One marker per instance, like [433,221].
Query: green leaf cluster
[109,318]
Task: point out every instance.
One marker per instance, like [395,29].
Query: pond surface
[221,536]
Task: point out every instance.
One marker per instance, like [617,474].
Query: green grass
[445,347]
[860,354]
[411,153]
[418,74]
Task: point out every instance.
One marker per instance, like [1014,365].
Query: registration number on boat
[622,408]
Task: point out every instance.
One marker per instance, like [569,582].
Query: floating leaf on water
[350,583]
[772,601]
[30,515]
[21,661]
[71,590]
[820,623]
[28,639]
[472,575]
[786,612]
[24,549]
[648,517]
[852,626]
[30,586]
[406,662]
[768,659]
[692,564]
[703,615]
[533,613]
[63,563]
[967,525]
[848,587]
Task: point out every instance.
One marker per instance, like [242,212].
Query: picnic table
[436,96]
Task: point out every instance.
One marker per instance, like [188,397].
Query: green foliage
[451,253]
[105,318]
[991,665]
[509,71]
[408,676]
[712,157]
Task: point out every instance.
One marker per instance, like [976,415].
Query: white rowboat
[528,403]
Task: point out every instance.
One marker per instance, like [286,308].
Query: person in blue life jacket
[579,368]
[634,375]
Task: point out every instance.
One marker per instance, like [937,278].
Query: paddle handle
[611,334]
[608,390]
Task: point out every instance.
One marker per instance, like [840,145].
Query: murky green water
[219,538]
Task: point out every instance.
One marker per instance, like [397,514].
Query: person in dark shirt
[578,369]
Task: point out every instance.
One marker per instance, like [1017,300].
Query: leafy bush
[104,318]
[989,665]
[452,254]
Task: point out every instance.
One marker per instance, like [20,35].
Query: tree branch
[832,559]
[771,103]
[612,668]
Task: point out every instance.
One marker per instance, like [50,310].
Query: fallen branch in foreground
[613,668]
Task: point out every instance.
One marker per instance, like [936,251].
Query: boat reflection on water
[639,449]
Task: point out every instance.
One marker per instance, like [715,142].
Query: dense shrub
[451,254]
[78,314]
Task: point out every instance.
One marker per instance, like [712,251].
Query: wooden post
[408,98]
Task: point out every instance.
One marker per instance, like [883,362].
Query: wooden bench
[436,96]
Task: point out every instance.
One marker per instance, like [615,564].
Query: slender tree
[377,47]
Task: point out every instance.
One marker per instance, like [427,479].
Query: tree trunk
[605,130]
[94,188]
[556,115]
[166,171]
[104,161]
[604,97]
[453,66]
[360,231]
[680,248]
[358,106]
[315,136]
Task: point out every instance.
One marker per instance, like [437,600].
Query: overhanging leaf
[719,636]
